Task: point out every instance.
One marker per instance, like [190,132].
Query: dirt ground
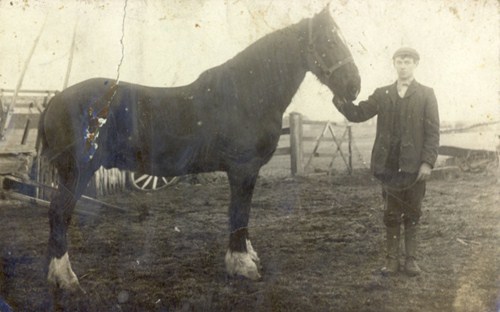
[320,239]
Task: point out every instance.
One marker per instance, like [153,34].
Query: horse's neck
[269,73]
[273,67]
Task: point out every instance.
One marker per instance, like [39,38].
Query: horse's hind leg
[241,259]
[73,181]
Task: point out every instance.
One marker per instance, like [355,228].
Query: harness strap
[328,70]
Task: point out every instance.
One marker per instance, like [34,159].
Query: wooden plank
[9,163]
[285,131]
[17,149]
[26,132]
[319,123]
[84,197]
[465,129]
[282,151]
[463,152]
[29,199]
[30,91]
[349,147]
[296,149]
[44,203]
[321,155]
[313,139]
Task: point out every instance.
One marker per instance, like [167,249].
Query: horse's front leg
[241,259]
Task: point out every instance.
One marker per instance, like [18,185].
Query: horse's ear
[326,10]
[324,15]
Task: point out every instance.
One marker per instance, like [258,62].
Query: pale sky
[170,42]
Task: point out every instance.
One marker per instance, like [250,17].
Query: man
[404,152]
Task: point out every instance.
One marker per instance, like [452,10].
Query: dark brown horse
[228,120]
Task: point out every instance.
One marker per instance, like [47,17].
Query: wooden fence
[301,159]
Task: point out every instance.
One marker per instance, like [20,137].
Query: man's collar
[406,83]
[393,90]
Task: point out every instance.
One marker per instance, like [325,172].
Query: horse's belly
[171,157]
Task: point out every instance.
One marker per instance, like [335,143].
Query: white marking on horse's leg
[61,275]
[243,263]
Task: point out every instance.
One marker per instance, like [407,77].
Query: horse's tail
[41,139]
[41,143]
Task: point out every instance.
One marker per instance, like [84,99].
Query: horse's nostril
[356,93]
[353,91]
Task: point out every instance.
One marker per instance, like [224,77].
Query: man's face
[405,66]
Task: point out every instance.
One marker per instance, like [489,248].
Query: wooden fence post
[26,131]
[296,152]
[349,144]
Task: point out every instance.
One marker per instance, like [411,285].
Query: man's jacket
[419,125]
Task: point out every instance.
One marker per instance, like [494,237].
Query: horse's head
[329,58]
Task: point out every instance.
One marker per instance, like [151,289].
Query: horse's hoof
[244,264]
[241,264]
[61,275]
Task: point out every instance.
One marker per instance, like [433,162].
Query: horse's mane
[266,45]
[273,50]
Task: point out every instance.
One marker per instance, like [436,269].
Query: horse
[229,120]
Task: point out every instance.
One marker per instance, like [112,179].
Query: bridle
[327,70]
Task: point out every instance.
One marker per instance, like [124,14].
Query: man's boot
[411,266]
[392,240]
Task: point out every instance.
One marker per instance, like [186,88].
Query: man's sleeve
[431,130]
[361,112]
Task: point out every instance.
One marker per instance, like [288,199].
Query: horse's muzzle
[353,90]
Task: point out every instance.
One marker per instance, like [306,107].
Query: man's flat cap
[406,51]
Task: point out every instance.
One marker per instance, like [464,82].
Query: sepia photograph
[238,155]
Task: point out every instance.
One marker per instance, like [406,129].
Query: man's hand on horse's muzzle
[338,102]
